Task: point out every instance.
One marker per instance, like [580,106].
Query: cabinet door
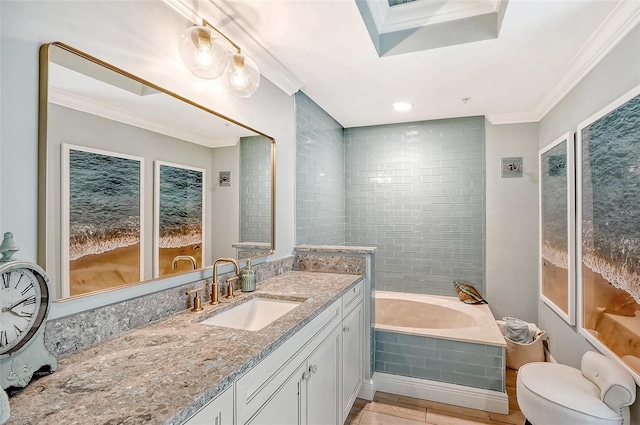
[323,382]
[284,408]
[217,412]
[352,358]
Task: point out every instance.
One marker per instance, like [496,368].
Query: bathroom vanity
[305,367]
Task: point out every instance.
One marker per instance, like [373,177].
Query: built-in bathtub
[441,349]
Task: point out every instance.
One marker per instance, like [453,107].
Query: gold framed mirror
[138,183]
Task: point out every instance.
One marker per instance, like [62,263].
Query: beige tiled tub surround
[166,371]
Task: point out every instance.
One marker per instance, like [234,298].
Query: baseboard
[368,390]
[442,392]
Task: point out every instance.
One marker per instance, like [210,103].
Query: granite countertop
[338,249]
[166,371]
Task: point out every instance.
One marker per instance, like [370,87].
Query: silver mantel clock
[25,301]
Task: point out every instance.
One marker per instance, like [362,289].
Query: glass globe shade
[202,53]
[242,76]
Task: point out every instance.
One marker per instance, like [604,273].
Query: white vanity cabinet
[352,348]
[218,412]
[309,379]
[276,389]
[285,407]
[321,385]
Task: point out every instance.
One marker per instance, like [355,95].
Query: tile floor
[390,409]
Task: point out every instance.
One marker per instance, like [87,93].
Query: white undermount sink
[252,315]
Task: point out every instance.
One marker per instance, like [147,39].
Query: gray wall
[320,184]
[255,189]
[512,222]
[416,191]
[615,75]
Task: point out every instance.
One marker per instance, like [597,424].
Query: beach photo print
[102,220]
[557,227]
[608,161]
[179,218]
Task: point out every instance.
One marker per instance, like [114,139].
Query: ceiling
[538,50]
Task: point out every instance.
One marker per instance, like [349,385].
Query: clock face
[21,299]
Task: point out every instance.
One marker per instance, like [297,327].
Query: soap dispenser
[248,278]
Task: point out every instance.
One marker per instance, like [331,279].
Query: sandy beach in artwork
[555,284]
[166,256]
[109,269]
[611,315]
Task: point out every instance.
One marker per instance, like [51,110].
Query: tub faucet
[174,263]
[214,285]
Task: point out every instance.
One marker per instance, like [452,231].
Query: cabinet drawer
[352,297]
[256,386]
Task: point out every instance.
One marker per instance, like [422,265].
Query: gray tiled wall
[416,191]
[255,189]
[456,362]
[320,184]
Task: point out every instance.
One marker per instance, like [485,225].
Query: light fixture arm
[207,24]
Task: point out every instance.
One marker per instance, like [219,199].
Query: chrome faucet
[174,263]
[214,285]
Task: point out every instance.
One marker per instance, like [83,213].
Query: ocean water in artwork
[611,197]
[181,206]
[104,203]
[554,205]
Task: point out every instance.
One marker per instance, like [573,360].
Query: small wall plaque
[511,167]
[225,178]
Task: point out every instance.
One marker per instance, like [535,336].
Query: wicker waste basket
[520,353]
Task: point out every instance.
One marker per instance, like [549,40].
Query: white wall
[140,37]
[512,222]
[615,75]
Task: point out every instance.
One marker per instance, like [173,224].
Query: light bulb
[202,52]
[242,76]
[203,56]
[239,78]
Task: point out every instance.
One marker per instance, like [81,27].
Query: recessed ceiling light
[402,106]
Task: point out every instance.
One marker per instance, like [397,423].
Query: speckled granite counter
[339,249]
[166,371]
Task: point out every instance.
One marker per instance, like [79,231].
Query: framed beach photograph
[179,211]
[608,157]
[102,220]
[557,227]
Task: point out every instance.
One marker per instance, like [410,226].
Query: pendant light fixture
[202,52]
[208,53]
[241,77]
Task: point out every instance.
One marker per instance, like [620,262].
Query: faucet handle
[197,301]
[230,287]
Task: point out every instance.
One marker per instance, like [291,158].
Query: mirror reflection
[138,183]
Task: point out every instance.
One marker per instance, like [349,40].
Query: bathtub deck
[390,409]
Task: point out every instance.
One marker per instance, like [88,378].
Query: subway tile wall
[320,183]
[255,189]
[455,362]
[416,192]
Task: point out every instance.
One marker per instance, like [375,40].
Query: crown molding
[222,16]
[622,19]
[83,104]
[613,29]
